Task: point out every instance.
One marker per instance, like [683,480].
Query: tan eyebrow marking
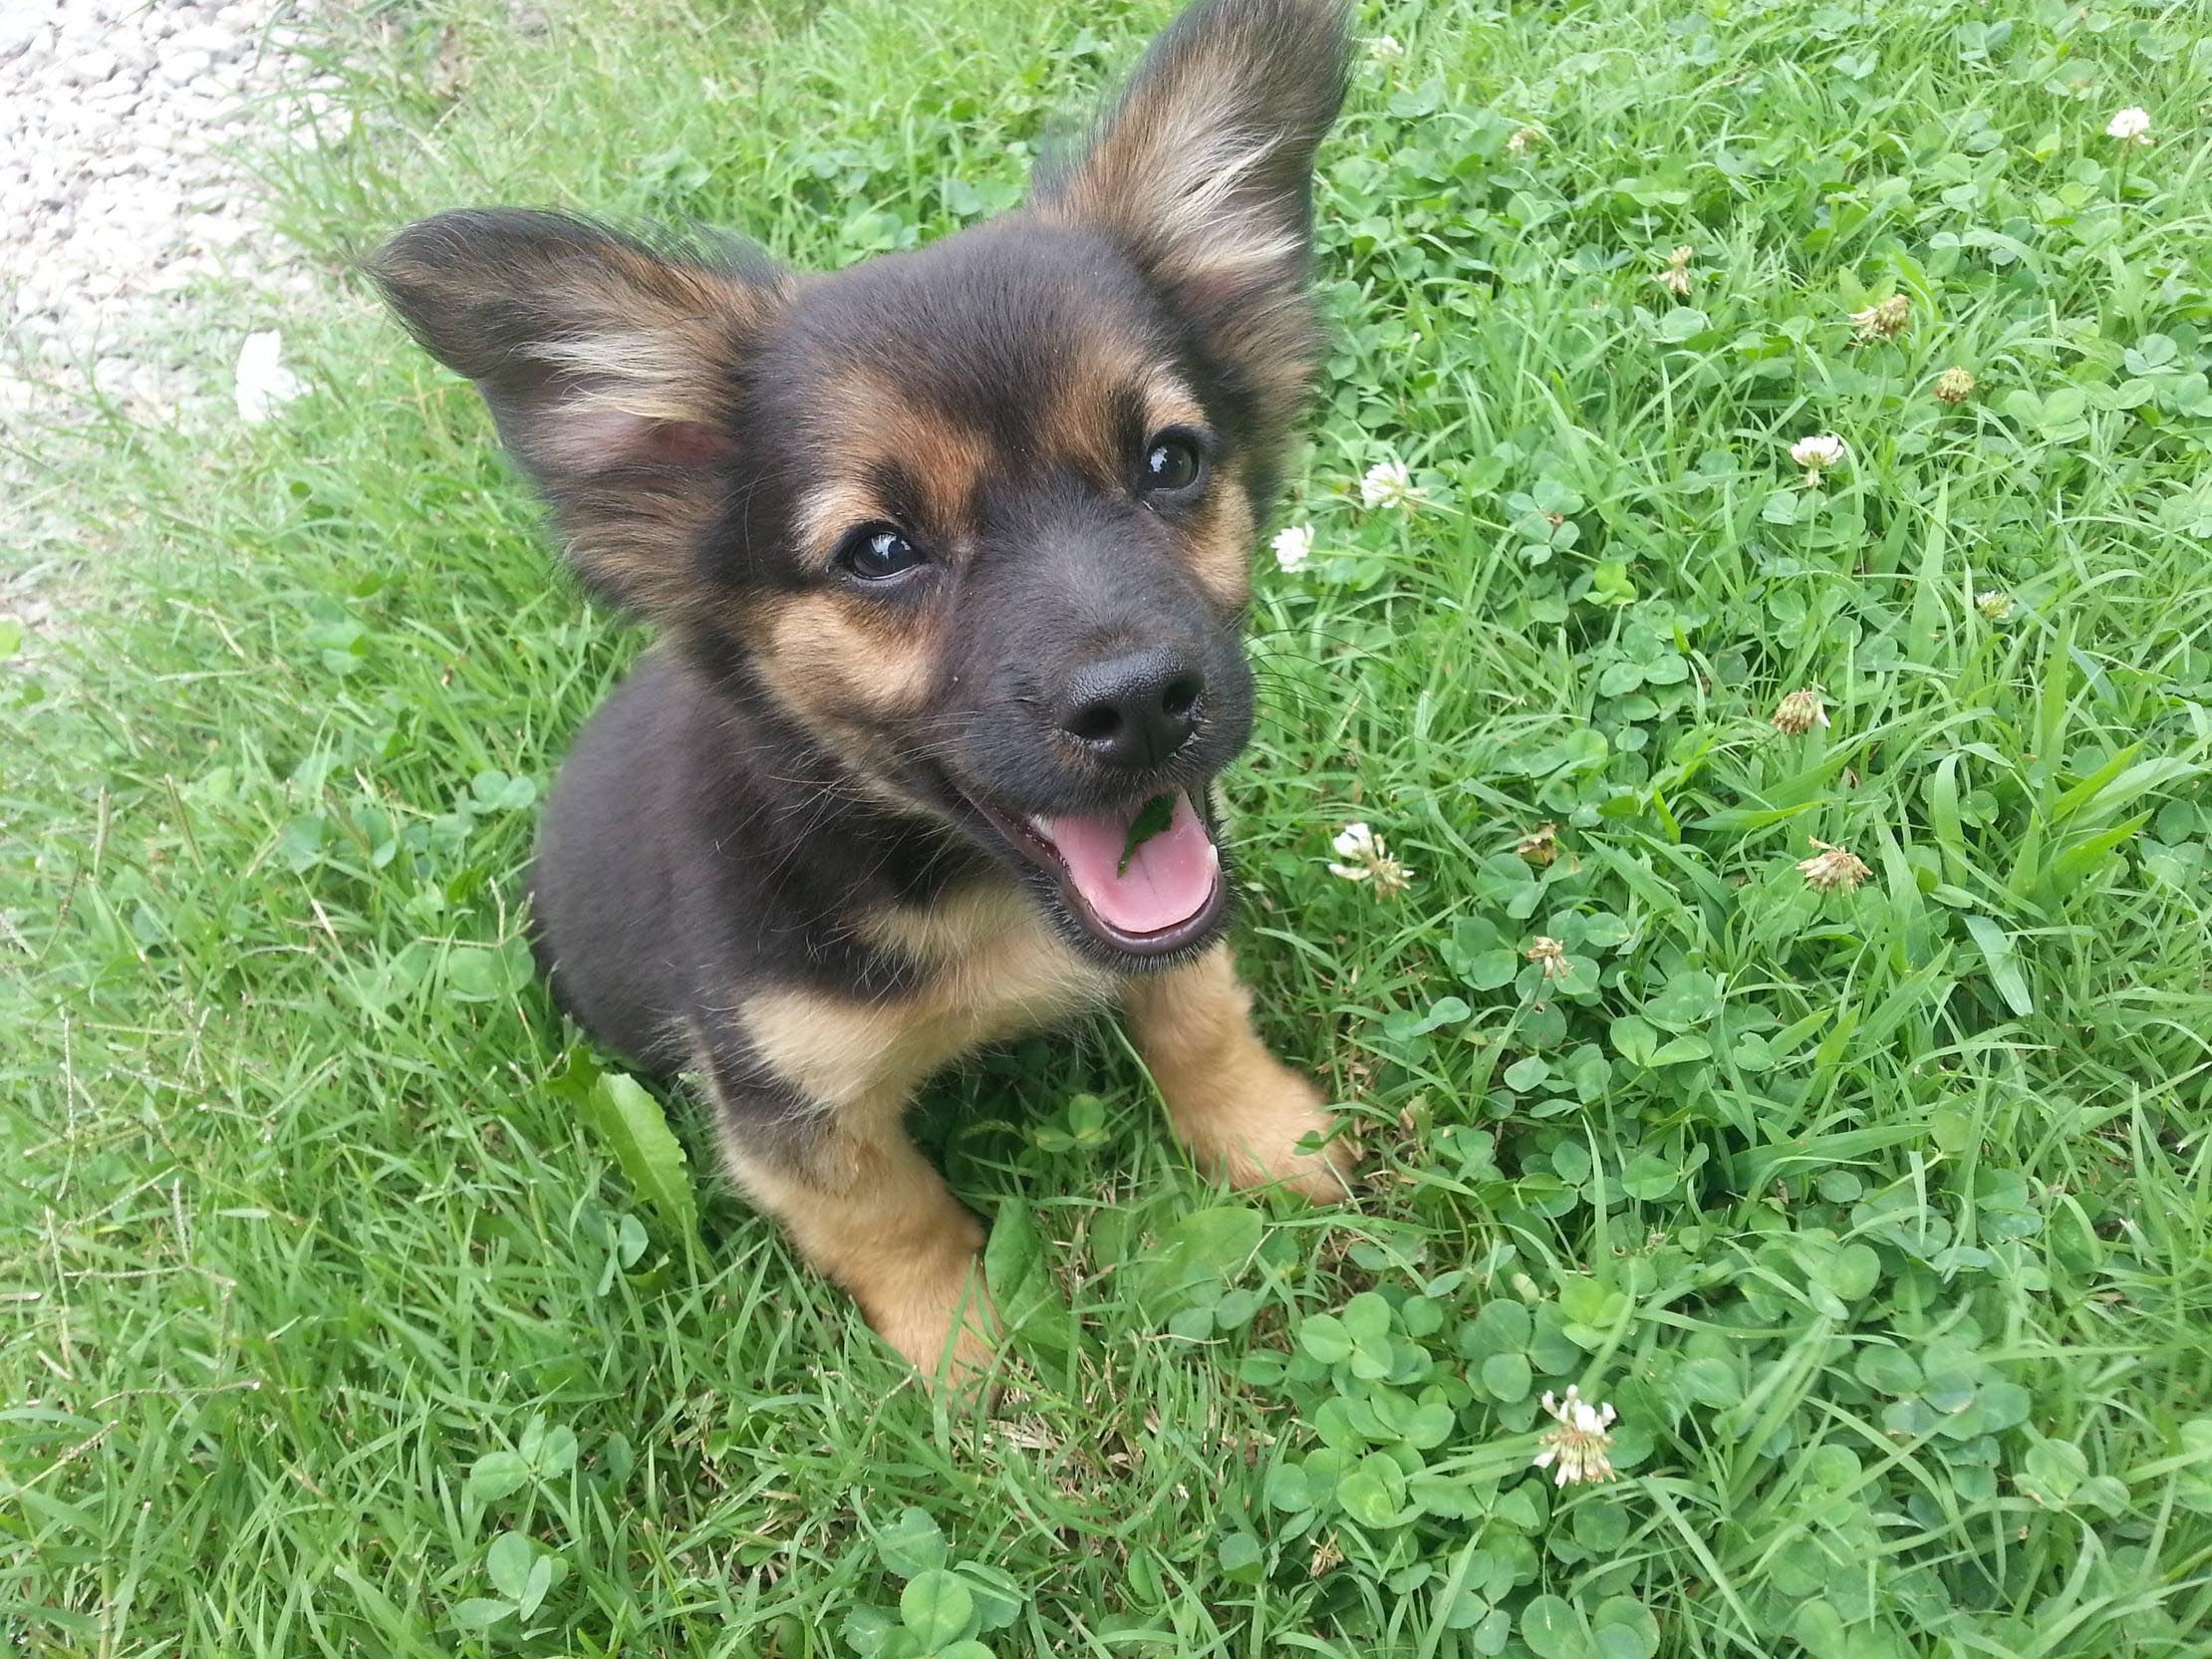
[1169,401]
[829,509]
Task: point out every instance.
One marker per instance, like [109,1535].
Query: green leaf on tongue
[1158,814]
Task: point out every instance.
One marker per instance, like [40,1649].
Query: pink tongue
[1170,876]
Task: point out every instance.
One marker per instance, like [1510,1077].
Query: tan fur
[1170,402]
[863,418]
[826,512]
[867,1209]
[1170,171]
[1219,547]
[871,1215]
[1199,168]
[1001,972]
[821,649]
[1240,1110]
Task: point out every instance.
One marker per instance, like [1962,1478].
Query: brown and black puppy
[950,551]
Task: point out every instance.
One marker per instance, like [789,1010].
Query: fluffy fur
[790,853]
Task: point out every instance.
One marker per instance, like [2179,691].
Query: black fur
[731,819]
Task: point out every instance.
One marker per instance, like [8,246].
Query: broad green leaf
[1022,1285]
[2052,1471]
[2004,967]
[1241,1556]
[1553,1629]
[1634,1041]
[1405,1022]
[507,1563]
[540,1580]
[939,1608]
[1626,1618]
[554,1453]
[1523,1075]
[495,1475]
[864,1630]
[998,1597]
[1507,1377]
[1324,1337]
[911,1545]
[631,1124]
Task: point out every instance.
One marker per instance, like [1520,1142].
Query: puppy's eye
[877,553]
[1174,461]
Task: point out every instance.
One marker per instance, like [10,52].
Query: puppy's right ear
[611,368]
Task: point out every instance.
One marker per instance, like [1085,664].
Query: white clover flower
[1294,545]
[1524,138]
[1548,954]
[2130,126]
[1367,859]
[1954,386]
[261,384]
[1800,711]
[1820,452]
[1388,485]
[1384,49]
[1832,867]
[1886,321]
[1580,1443]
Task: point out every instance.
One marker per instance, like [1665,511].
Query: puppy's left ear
[612,368]
[1204,170]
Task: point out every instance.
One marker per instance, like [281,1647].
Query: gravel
[121,207]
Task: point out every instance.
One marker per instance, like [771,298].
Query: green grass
[1883,1216]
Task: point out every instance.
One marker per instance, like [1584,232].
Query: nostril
[1098,724]
[1180,696]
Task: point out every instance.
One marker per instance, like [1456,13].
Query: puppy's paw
[939,1314]
[1247,1129]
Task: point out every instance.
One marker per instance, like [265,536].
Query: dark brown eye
[1173,461]
[877,553]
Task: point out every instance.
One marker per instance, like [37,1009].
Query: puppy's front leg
[1240,1110]
[867,1211]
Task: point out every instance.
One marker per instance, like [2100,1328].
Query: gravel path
[119,205]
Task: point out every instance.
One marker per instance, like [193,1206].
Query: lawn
[1870,1187]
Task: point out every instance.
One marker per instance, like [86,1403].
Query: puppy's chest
[992,968]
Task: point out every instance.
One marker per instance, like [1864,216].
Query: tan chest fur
[999,971]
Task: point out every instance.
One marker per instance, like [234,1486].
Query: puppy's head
[976,518]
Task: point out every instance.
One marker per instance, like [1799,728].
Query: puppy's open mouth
[1145,899]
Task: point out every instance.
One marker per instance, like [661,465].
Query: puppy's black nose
[1133,710]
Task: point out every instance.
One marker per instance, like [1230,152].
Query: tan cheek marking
[820,655]
[1219,550]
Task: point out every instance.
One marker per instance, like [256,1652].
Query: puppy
[949,553]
